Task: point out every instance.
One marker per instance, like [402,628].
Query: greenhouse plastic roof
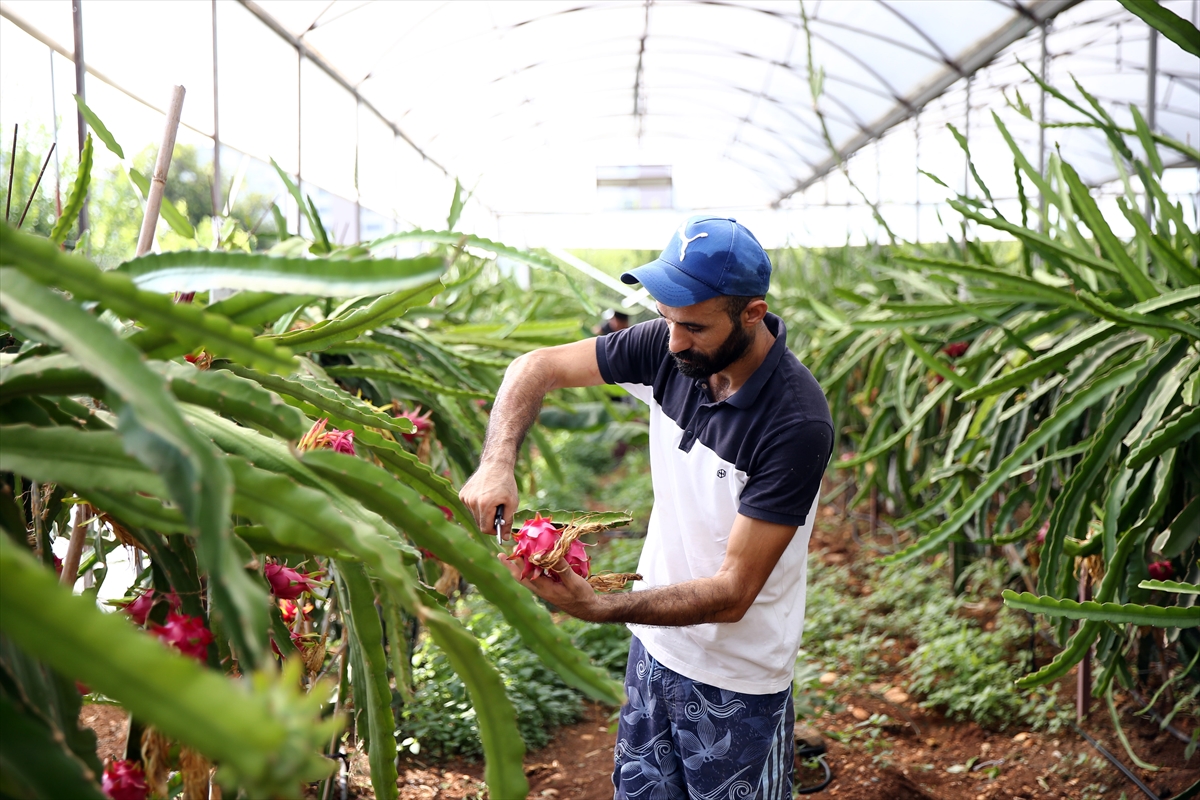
[535,105]
[480,84]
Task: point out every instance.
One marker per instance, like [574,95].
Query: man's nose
[679,340]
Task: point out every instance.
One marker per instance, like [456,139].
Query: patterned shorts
[682,740]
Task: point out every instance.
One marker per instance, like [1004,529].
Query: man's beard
[693,364]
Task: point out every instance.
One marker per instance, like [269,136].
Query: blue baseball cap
[708,257]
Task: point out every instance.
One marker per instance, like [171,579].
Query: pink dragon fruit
[421,422]
[186,634]
[124,780]
[955,349]
[139,609]
[287,583]
[538,536]
[1161,571]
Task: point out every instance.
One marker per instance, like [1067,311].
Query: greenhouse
[365,368]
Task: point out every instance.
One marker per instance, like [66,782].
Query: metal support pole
[80,75]
[966,167]
[299,133]
[1151,105]
[218,206]
[54,120]
[917,168]
[1045,69]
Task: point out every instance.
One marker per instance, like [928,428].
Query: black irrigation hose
[1154,715]
[1128,773]
[825,782]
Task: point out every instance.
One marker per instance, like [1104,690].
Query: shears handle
[498,522]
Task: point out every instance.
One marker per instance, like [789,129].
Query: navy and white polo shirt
[761,453]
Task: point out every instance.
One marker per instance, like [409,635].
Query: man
[614,321]
[740,435]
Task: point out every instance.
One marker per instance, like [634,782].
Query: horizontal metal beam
[978,56]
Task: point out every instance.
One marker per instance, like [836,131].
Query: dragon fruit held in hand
[123,780]
[540,544]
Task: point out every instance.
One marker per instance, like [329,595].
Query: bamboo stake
[37,184]
[158,182]
[12,168]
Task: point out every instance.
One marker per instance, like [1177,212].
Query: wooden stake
[83,515]
[37,184]
[158,182]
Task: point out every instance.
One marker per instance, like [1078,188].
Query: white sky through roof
[524,100]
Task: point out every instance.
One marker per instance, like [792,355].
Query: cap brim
[670,285]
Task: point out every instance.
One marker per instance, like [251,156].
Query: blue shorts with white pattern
[679,739]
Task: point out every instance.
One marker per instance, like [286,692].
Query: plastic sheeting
[378,106]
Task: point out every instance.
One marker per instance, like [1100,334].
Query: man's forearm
[690,603]
[515,410]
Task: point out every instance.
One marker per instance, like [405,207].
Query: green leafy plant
[201,433]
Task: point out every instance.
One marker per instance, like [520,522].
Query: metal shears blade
[499,523]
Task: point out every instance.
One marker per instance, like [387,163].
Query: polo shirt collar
[745,396]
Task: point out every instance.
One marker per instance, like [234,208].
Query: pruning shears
[499,523]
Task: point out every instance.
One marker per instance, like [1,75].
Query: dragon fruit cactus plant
[540,544]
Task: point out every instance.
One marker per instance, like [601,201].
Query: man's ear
[754,312]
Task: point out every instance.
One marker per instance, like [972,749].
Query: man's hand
[492,485]
[574,595]
[753,551]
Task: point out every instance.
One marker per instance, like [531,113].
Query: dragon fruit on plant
[139,609]
[287,583]
[956,349]
[421,422]
[536,539]
[124,780]
[1161,571]
[186,634]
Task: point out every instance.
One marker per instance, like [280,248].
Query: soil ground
[921,756]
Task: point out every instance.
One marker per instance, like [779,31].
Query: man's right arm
[526,382]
